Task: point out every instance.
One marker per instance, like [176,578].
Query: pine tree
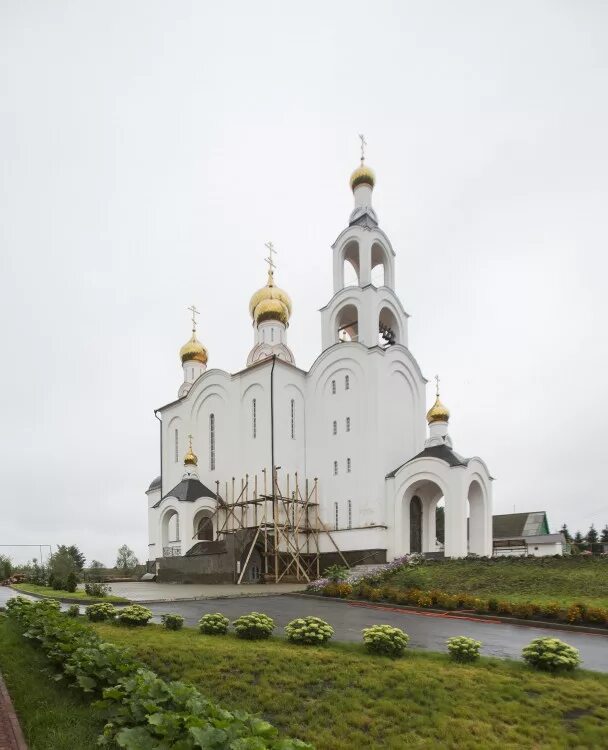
[578,538]
[566,533]
[77,556]
[604,537]
[592,535]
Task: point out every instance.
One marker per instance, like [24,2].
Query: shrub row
[576,613]
[142,710]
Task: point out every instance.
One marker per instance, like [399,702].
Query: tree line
[591,538]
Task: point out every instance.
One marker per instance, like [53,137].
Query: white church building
[355,426]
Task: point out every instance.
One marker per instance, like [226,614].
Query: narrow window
[333,386]
[192,371]
[211,442]
[176,527]
[350,514]
[335,428]
[346,382]
[348,465]
[254,427]
[335,468]
[336,524]
[272,334]
[176,436]
[293,419]
[347,424]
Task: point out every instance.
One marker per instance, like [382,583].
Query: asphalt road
[348,619]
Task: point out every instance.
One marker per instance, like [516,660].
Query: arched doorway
[170,533]
[415,524]
[203,526]
[476,526]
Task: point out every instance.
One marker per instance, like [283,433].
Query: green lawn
[79,594]
[52,716]
[566,580]
[340,698]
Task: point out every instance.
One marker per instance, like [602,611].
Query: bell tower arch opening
[389,330]
[351,264]
[347,324]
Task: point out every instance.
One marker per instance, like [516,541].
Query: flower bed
[377,588]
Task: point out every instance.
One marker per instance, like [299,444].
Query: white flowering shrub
[463,649]
[385,639]
[254,626]
[309,630]
[134,615]
[214,624]
[551,655]
[172,621]
[101,611]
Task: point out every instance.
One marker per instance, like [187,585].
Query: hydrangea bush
[172,621]
[254,626]
[101,611]
[309,630]
[551,655]
[214,624]
[134,615]
[463,649]
[385,640]
[73,610]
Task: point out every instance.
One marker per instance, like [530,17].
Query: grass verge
[78,595]
[565,580]
[52,716]
[338,697]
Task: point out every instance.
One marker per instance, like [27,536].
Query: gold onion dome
[193,350]
[362,176]
[270,303]
[190,458]
[438,412]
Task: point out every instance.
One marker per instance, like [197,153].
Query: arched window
[347,424]
[254,427]
[293,419]
[335,428]
[335,468]
[212,442]
[336,518]
[346,382]
[350,514]
[204,531]
[348,465]
[173,528]
[333,387]
[176,439]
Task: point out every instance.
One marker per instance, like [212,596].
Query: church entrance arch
[415,524]
[170,533]
[203,526]
[477,541]
[419,533]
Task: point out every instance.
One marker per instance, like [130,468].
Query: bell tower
[368,311]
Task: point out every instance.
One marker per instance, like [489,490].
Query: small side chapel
[275,472]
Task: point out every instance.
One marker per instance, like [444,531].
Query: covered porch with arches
[416,491]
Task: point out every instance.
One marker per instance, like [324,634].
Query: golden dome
[270,303]
[193,350]
[362,176]
[438,412]
[190,458]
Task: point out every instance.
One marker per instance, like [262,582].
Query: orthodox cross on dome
[270,259]
[437,385]
[194,312]
[363,145]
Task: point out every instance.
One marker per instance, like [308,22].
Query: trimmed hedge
[142,710]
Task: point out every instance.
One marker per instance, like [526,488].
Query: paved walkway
[426,630]
[148,591]
[11,737]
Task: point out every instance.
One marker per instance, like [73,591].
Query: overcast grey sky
[149,149]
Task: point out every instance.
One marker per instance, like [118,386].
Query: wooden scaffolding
[281,523]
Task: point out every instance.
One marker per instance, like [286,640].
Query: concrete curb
[463,614]
[216,596]
[9,723]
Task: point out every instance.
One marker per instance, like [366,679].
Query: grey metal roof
[154,484]
[187,491]
[516,525]
[443,452]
